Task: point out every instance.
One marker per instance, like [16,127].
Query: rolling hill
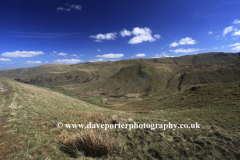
[111,84]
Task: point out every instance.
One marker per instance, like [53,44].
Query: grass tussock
[91,142]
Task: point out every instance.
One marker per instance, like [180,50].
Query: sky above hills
[34,32]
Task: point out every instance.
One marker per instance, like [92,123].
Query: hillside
[205,90]
[111,84]
[29,116]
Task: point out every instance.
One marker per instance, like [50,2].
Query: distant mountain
[145,77]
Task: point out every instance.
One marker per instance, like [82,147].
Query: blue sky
[34,32]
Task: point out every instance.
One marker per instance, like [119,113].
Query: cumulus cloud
[141,34]
[68,61]
[236,48]
[5,59]
[107,36]
[99,50]
[62,54]
[54,52]
[140,55]
[33,62]
[22,54]
[183,41]
[125,33]
[157,36]
[233,45]
[187,40]
[69,7]
[74,55]
[184,50]
[164,54]
[236,21]
[229,29]
[111,55]
[174,44]
[76,7]
[236,33]
[210,32]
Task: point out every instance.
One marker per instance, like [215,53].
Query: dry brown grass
[92,142]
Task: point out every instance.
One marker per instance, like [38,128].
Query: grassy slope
[29,116]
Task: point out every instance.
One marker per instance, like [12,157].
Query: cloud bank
[111,55]
[68,61]
[22,54]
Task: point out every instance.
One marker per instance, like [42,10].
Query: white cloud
[97,40]
[215,47]
[62,54]
[63,9]
[22,54]
[164,54]
[210,32]
[236,48]
[236,33]
[5,59]
[217,37]
[54,52]
[74,55]
[107,36]
[157,36]
[141,34]
[81,55]
[183,41]
[125,33]
[68,61]
[233,45]
[140,55]
[157,56]
[236,45]
[222,47]
[187,40]
[99,50]
[184,50]
[33,62]
[236,21]
[227,30]
[46,62]
[111,55]
[10,63]
[76,7]
[69,7]
[174,44]
[97,60]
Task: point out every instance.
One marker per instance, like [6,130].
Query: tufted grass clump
[92,142]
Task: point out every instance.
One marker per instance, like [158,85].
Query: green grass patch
[96,101]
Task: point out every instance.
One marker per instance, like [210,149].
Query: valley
[202,88]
